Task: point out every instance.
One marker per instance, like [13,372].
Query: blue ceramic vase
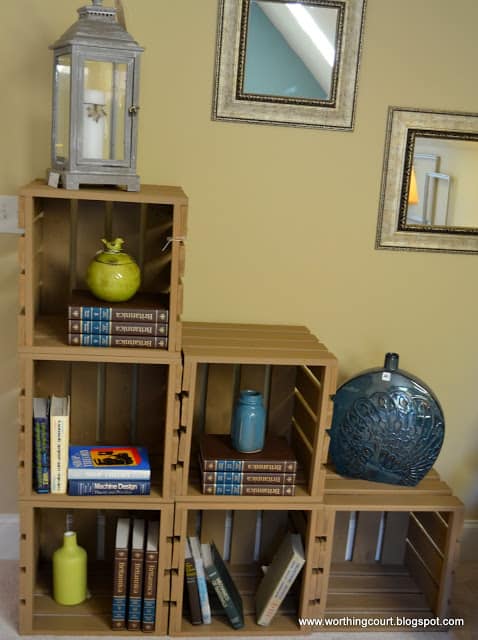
[248,427]
[387,426]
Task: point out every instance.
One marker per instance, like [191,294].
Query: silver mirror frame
[338,114]
[401,127]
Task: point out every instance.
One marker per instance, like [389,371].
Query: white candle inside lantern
[94,119]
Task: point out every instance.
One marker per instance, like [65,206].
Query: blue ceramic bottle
[248,427]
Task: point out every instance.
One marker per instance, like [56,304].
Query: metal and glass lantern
[95,102]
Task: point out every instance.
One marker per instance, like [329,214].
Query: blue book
[41,445]
[143,307]
[108,463]
[105,487]
[201,579]
[103,340]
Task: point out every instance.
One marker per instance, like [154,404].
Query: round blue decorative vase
[248,427]
[387,426]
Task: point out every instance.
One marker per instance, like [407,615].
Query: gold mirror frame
[393,230]
[230,103]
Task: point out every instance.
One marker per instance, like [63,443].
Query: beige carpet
[464,605]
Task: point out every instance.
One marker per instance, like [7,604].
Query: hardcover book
[59,439]
[108,463]
[143,307]
[105,487]
[100,340]
[41,445]
[201,579]
[249,489]
[236,477]
[190,580]
[120,574]
[281,573]
[150,582]
[219,577]
[135,595]
[118,328]
[218,454]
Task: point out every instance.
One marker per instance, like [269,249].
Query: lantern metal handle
[133,110]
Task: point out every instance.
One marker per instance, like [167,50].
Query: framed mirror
[288,62]
[429,194]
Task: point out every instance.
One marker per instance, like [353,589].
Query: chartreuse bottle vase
[69,571]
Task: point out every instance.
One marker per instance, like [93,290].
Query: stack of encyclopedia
[136,558]
[141,321]
[225,471]
[103,470]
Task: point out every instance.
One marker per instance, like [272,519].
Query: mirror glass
[288,62]
[290,50]
[429,196]
[443,189]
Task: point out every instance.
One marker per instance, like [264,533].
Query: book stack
[135,578]
[103,470]
[203,566]
[225,471]
[139,322]
[51,433]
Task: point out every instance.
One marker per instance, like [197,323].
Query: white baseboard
[9,535]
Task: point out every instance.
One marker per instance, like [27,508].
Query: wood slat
[421,576]
[366,536]
[394,538]
[425,548]
[434,525]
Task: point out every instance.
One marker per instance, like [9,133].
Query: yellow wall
[282,220]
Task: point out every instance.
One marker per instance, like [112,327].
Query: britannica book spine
[248,489]
[135,596]
[151,558]
[118,328]
[102,340]
[245,466]
[116,314]
[120,573]
[233,477]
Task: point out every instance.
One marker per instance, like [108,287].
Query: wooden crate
[247,537]
[63,231]
[387,555]
[294,371]
[114,401]
[41,532]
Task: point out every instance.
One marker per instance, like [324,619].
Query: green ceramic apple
[113,275]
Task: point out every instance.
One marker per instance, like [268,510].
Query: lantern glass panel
[104,110]
[62,107]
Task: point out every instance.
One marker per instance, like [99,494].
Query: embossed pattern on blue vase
[387,426]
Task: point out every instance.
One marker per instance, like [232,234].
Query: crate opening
[96,530]
[294,402]
[66,236]
[247,541]
[387,563]
[111,404]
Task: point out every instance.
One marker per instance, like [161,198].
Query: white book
[281,573]
[201,579]
[59,442]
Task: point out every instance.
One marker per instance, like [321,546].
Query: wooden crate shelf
[63,231]
[388,555]
[294,371]
[41,530]
[247,536]
[112,403]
